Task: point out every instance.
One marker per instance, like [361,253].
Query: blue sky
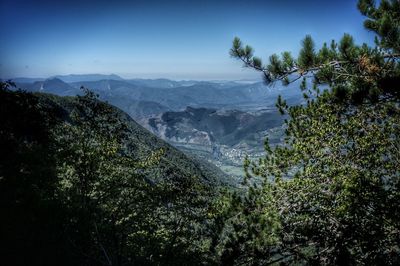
[154,39]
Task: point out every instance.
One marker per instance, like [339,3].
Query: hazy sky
[152,39]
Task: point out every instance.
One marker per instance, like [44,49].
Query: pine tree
[331,191]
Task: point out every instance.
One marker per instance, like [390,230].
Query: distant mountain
[176,96]
[86,77]
[26,80]
[174,164]
[148,97]
[159,83]
[69,78]
[136,109]
[209,126]
[226,120]
[52,85]
[167,83]
[223,137]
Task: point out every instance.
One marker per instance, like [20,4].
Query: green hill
[140,143]
[93,187]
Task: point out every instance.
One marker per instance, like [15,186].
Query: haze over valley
[221,133]
[218,121]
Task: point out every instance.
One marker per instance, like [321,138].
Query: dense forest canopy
[82,184]
[330,194]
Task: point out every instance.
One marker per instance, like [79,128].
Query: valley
[220,122]
[222,137]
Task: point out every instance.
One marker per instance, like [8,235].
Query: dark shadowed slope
[174,163]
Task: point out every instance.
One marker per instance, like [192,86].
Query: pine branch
[248,62]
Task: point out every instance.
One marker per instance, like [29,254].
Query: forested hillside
[330,194]
[81,183]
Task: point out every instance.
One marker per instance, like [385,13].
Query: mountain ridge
[175,163]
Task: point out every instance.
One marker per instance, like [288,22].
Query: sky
[162,39]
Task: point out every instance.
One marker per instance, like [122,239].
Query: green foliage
[81,184]
[307,54]
[122,213]
[31,222]
[330,193]
[370,74]
[75,181]
[384,21]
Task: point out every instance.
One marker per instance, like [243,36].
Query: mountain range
[146,97]
[140,143]
[206,126]
[219,121]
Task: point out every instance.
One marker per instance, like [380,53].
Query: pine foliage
[330,193]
